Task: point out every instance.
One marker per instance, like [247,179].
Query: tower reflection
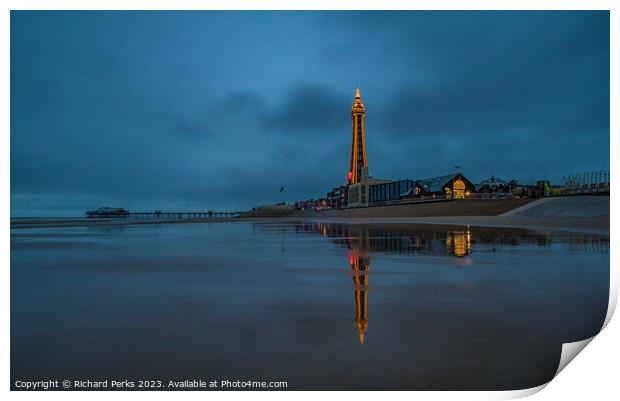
[362,241]
[360,266]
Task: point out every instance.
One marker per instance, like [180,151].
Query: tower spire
[358,142]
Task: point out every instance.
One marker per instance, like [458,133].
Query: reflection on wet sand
[447,240]
[457,242]
[453,308]
[361,267]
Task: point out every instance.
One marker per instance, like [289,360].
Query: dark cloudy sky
[199,110]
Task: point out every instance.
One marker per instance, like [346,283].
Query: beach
[578,214]
[319,300]
[320,305]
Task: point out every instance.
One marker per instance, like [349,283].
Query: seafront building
[359,193]
[363,190]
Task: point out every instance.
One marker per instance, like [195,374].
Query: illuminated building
[357,177]
[451,186]
[389,191]
[336,198]
[358,141]
[364,190]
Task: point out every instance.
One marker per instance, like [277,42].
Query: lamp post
[279,193]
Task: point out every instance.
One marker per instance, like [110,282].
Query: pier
[124,214]
[182,215]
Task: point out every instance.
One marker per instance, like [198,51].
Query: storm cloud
[218,110]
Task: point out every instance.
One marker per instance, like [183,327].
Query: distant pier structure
[108,212]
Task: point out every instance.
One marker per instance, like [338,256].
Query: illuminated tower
[361,267]
[358,141]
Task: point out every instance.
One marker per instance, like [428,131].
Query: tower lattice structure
[358,141]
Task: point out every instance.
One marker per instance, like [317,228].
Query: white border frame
[593,375]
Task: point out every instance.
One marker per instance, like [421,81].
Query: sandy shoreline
[576,214]
[593,225]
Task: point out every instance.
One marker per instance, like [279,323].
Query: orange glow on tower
[361,267]
[358,140]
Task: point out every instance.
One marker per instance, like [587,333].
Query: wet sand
[321,305]
[594,225]
[457,207]
[597,224]
[84,222]
[328,301]
[577,214]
